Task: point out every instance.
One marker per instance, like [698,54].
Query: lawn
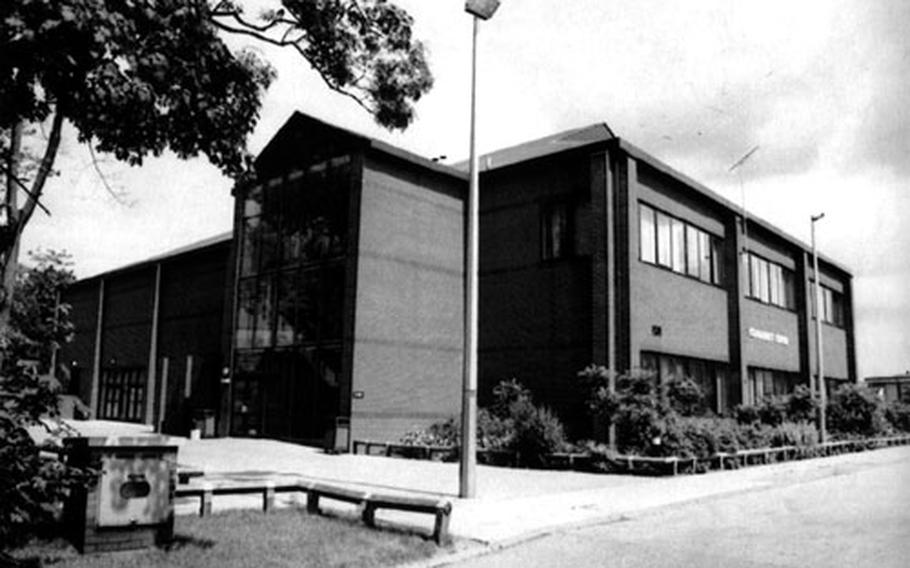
[288,537]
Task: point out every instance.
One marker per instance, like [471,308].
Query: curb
[479,549]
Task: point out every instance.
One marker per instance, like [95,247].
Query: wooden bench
[369,503]
[440,509]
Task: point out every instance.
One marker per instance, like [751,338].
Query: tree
[32,487]
[136,77]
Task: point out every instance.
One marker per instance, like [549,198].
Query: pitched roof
[559,142]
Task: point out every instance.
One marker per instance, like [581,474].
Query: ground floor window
[711,376]
[765,383]
[122,394]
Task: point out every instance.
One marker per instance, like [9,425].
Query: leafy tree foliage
[136,77]
[31,486]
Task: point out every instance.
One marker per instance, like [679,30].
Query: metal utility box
[131,503]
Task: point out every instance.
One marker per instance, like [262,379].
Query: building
[338,304]
[347,269]
[594,251]
[891,388]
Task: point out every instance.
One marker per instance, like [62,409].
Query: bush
[513,423]
[802,405]
[800,434]
[439,434]
[897,413]
[855,410]
[685,396]
[32,488]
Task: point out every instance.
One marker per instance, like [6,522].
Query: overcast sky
[821,86]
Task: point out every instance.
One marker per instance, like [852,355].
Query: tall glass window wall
[292,259]
[290,293]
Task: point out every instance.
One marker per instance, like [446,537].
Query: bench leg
[205,504]
[441,528]
[312,503]
[268,497]
[369,515]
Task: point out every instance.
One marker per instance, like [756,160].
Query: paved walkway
[511,504]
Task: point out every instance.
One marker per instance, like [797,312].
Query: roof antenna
[742,191]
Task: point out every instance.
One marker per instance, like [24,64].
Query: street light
[819,358]
[480,10]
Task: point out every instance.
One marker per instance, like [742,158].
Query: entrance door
[247,411]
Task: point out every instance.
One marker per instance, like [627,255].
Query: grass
[288,537]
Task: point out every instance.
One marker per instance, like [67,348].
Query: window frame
[770,283]
[550,250]
[670,242]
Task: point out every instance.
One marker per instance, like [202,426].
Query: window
[771,283]
[664,240]
[647,228]
[767,383]
[683,248]
[557,231]
[832,304]
[709,375]
[693,254]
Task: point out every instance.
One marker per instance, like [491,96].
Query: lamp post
[467,486]
[819,358]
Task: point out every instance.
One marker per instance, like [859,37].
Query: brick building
[336,309]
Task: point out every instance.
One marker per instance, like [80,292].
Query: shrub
[602,403]
[685,396]
[538,432]
[439,434]
[493,432]
[802,405]
[855,410]
[513,423]
[800,434]
[898,415]
[32,488]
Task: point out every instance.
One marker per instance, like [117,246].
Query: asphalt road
[854,515]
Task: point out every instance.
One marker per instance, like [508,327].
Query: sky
[820,86]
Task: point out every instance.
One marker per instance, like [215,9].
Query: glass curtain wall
[288,335]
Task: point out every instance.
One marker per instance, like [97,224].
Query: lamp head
[483,9]
[818,217]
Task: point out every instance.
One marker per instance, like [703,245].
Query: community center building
[334,309]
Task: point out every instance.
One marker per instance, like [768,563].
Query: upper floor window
[675,244]
[771,283]
[556,231]
[832,305]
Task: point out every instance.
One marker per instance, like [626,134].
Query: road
[856,515]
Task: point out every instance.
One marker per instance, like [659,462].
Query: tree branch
[104,182]
[44,170]
[24,187]
[295,44]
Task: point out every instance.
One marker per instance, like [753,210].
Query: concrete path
[512,505]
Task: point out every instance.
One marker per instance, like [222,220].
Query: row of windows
[677,245]
[771,283]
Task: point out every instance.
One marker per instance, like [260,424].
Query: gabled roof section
[303,134]
[553,144]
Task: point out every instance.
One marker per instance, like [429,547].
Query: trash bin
[131,503]
[204,422]
[337,436]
